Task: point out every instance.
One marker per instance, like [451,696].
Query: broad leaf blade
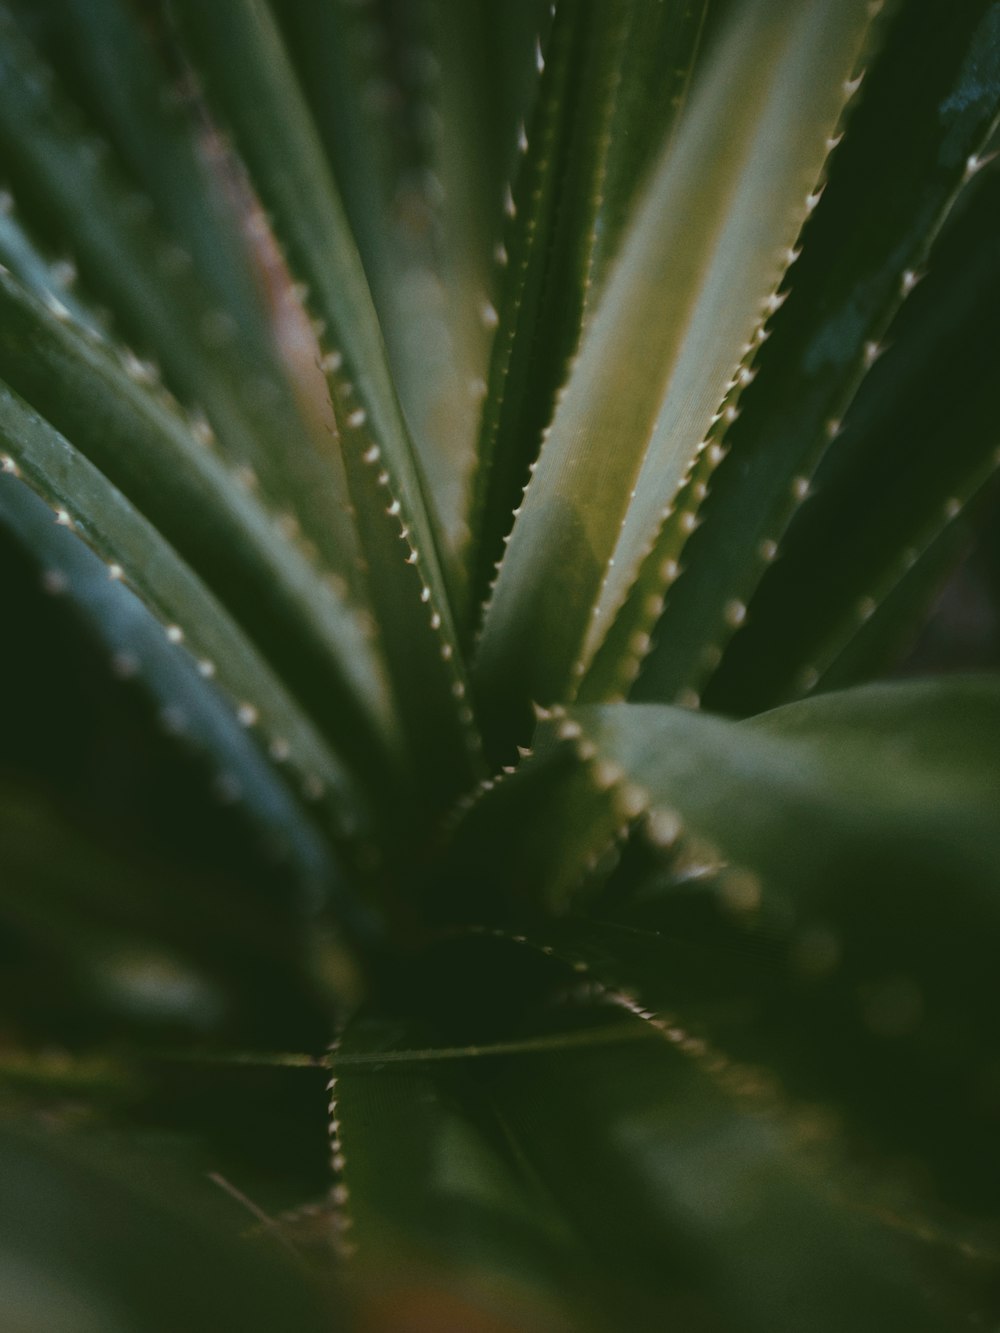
[900,771]
[703,1202]
[859,832]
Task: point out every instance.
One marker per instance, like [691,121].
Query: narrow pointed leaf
[930,105]
[116,62]
[431,695]
[241,55]
[146,451]
[919,446]
[586,154]
[135,641]
[134,553]
[248,69]
[70,186]
[648,378]
[397,106]
[544,257]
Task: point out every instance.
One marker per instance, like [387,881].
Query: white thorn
[607,773]
[767,550]
[247,715]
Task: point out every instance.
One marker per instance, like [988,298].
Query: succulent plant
[466,424]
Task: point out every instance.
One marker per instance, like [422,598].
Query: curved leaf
[71,188]
[145,449]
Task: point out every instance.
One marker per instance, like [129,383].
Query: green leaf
[427,674]
[133,552]
[241,54]
[53,282]
[70,187]
[655,68]
[704,1203]
[432,1194]
[585,154]
[674,1194]
[929,106]
[144,448]
[543,259]
[117,65]
[137,648]
[567,824]
[83,1248]
[618,661]
[919,446]
[801,796]
[854,839]
[647,380]
[390,91]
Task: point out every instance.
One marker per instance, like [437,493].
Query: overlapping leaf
[929,108]
[711,238]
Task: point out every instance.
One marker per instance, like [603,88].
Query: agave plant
[467,426]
